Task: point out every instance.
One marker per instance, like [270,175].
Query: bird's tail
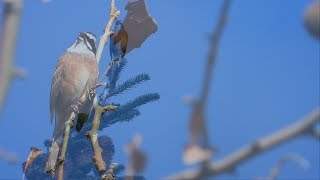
[82,118]
[53,155]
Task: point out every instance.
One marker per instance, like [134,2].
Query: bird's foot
[100,84]
[92,93]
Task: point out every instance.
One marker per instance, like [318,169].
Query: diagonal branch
[198,123]
[229,163]
[114,13]
[275,171]
[214,41]
[208,74]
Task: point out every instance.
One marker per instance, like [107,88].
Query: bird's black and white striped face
[85,44]
[89,40]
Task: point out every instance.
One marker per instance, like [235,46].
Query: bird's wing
[55,84]
[122,38]
[70,81]
[84,77]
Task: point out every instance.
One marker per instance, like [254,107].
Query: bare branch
[233,160]
[198,125]
[114,13]
[214,41]
[93,135]
[316,133]
[12,13]
[137,159]
[61,159]
[98,110]
[275,171]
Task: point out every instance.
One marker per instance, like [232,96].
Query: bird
[118,42]
[76,73]
[118,45]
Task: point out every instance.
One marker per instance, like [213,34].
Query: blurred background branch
[312,19]
[10,26]
[199,148]
[229,163]
[7,156]
[275,171]
[211,61]
[137,159]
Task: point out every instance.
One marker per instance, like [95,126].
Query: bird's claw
[92,92]
[75,107]
[100,84]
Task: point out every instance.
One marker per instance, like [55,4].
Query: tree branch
[214,41]
[61,159]
[98,110]
[229,163]
[208,75]
[275,171]
[114,13]
[93,135]
[68,126]
[198,122]
[12,13]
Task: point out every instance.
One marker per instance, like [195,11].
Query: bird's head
[88,39]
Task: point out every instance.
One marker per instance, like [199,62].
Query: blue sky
[266,77]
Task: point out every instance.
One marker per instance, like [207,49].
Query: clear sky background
[266,77]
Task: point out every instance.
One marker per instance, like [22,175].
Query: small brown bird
[118,42]
[76,73]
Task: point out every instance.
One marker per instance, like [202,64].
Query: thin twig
[93,135]
[229,163]
[214,41]
[198,123]
[11,21]
[114,13]
[275,171]
[208,75]
[68,126]
[61,159]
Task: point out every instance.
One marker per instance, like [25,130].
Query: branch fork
[93,135]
